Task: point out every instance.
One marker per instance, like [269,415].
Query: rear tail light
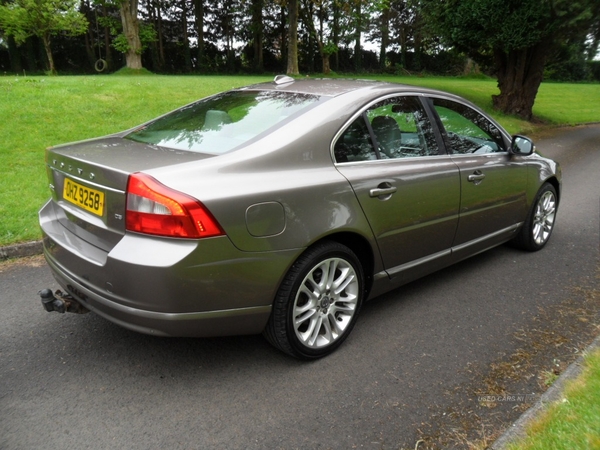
[153,208]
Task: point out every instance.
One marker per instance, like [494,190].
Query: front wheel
[318,302]
[539,223]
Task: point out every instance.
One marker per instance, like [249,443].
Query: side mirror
[522,146]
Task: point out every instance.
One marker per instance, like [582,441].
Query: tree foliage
[518,36]
[42,18]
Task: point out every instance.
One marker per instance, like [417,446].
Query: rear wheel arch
[362,249]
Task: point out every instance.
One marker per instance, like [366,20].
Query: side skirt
[385,281]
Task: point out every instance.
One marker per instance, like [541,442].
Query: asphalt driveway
[417,366]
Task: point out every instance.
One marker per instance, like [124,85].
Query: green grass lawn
[38,112]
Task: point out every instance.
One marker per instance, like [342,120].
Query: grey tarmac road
[80,382]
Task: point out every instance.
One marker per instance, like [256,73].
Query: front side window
[467,131]
[220,123]
[396,127]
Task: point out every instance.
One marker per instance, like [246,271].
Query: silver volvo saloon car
[279,208]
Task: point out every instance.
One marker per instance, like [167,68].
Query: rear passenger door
[409,192]
[493,184]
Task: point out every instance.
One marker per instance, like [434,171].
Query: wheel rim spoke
[337,326]
[345,280]
[329,267]
[326,336]
[303,316]
[311,335]
[344,308]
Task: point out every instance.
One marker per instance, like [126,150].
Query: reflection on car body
[281,207]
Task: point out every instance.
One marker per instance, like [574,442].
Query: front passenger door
[493,183]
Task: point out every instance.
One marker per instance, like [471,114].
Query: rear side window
[402,128]
[223,122]
[394,128]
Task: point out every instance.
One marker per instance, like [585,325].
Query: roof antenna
[283,79]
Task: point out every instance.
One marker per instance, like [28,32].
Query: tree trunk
[199,13]
[305,14]
[107,43]
[156,66]
[257,34]
[283,33]
[292,60]
[418,49]
[131,30]
[228,29]
[336,34]
[520,73]
[161,39]
[46,41]
[325,53]
[326,65]
[186,42]
[14,54]
[307,19]
[385,36]
[89,49]
[357,38]
[90,41]
[403,49]
[33,55]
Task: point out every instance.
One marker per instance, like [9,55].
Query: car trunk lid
[88,181]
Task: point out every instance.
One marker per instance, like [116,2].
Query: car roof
[331,87]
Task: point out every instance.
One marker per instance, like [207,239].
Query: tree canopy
[518,41]
[42,18]
[518,36]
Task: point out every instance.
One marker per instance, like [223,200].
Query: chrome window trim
[395,160]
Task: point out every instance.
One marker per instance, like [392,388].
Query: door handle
[476,177]
[384,189]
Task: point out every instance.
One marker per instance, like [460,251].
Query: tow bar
[60,302]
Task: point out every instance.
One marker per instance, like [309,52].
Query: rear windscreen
[220,123]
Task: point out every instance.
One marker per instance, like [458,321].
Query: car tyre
[539,223]
[318,302]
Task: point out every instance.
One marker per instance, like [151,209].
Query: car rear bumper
[192,324]
[167,287]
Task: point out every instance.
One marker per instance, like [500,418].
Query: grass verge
[39,112]
[574,422]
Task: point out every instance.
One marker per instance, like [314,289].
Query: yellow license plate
[87,198]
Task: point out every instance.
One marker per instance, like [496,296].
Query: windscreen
[220,123]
